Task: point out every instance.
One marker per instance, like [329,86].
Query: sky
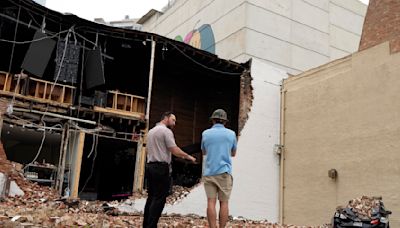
[109,10]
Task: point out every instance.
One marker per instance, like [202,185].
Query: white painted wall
[294,35]
[255,192]
[256,167]
[290,35]
[346,21]
[41,2]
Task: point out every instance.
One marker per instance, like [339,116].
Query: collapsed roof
[160,73]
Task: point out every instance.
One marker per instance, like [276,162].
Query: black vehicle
[347,217]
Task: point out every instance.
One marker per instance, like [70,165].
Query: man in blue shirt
[219,145]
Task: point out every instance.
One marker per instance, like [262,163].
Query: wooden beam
[137,185]
[77,162]
[142,169]
[119,113]
[38,100]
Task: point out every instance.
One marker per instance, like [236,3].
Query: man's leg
[223,213]
[225,182]
[146,211]
[149,200]
[159,189]
[211,212]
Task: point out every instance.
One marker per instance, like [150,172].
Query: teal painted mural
[202,38]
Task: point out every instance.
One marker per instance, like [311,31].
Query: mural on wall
[201,38]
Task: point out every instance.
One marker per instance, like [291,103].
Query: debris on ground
[362,212]
[178,193]
[364,206]
[42,206]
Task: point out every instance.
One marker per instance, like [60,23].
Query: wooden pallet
[40,89]
[125,102]
[123,105]
[8,84]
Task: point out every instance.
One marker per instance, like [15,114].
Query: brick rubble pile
[41,206]
[363,206]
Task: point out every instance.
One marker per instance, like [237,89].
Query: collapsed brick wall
[381,24]
[5,165]
[246,99]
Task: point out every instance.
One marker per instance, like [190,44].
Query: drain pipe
[282,154]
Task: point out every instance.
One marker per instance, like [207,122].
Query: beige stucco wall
[344,115]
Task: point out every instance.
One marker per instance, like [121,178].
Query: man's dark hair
[166,114]
[219,121]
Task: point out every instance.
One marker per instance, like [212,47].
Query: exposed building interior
[77,99]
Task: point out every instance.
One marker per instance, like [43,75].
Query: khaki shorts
[220,185]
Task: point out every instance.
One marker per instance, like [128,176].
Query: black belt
[157,163]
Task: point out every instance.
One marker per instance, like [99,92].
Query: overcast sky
[110,10]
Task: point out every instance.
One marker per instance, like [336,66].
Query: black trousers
[158,184]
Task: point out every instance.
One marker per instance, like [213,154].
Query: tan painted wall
[343,115]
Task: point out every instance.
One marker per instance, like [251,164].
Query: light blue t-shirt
[218,142]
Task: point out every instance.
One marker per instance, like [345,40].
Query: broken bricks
[41,206]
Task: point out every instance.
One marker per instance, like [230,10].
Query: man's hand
[190,158]
[181,154]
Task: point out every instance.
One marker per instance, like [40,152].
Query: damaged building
[77,99]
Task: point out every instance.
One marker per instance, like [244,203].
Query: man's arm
[181,154]
[174,149]
[234,146]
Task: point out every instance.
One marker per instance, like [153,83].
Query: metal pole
[282,155]
[60,157]
[153,48]
[62,168]
[55,115]
[139,169]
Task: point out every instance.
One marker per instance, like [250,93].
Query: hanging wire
[40,147]
[93,163]
[87,40]
[30,9]
[32,17]
[91,151]
[15,37]
[202,65]
[59,69]
[35,40]
[97,33]
[83,63]
[28,123]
